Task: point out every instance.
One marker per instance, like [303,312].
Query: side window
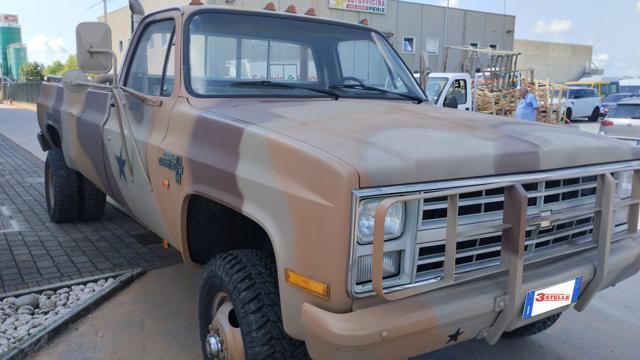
[360,59]
[169,71]
[459,89]
[151,69]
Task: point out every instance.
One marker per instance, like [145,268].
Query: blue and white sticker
[543,300]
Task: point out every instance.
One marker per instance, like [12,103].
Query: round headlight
[393,223]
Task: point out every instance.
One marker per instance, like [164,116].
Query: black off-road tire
[92,200]
[249,278]
[595,114]
[568,114]
[533,328]
[61,188]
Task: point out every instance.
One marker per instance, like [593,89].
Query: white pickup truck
[455,90]
[450,90]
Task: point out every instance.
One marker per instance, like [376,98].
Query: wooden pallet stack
[500,102]
[550,97]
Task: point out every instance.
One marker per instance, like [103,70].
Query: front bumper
[484,303]
[425,322]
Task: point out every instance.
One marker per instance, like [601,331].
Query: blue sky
[612,27]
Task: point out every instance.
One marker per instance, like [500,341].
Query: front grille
[485,206]
[562,218]
[482,251]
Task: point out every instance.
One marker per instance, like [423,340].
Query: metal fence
[21,92]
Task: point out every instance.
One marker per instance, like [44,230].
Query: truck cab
[443,88]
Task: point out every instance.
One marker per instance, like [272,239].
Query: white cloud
[638,6]
[42,44]
[554,27]
[452,3]
[46,49]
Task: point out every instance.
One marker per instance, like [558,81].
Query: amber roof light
[270,6]
[291,9]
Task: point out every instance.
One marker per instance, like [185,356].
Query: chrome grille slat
[542,195]
[500,198]
[563,197]
[489,248]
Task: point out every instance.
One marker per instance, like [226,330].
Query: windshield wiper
[417,99]
[268,83]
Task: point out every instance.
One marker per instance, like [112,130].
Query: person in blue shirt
[528,108]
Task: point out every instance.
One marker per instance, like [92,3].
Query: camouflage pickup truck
[338,214]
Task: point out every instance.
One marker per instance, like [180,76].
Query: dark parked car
[610,102]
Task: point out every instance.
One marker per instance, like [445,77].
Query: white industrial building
[412,28]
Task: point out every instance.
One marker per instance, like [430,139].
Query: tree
[32,71]
[70,64]
[56,68]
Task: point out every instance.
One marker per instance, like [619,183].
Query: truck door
[133,157]
[459,88]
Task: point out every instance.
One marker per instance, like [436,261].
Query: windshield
[435,85]
[625,111]
[615,98]
[236,55]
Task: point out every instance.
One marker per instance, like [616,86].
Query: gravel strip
[25,315]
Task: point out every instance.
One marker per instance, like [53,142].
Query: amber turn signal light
[313,286]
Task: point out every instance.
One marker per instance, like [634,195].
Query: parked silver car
[623,122]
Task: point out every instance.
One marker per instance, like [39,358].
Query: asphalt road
[154,318]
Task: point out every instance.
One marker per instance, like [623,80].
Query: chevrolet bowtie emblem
[545,224]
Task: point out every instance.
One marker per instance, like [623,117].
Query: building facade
[410,27]
[557,62]
[10,34]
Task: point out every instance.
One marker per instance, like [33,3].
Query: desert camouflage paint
[291,165]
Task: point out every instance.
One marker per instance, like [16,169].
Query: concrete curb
[33,343]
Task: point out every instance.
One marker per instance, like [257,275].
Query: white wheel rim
[224,340]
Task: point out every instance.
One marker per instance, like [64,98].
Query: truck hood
[391,143]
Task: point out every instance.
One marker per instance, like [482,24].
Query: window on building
[408,45]
[494,46]
[474,44]
[432,46]
[149,64]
